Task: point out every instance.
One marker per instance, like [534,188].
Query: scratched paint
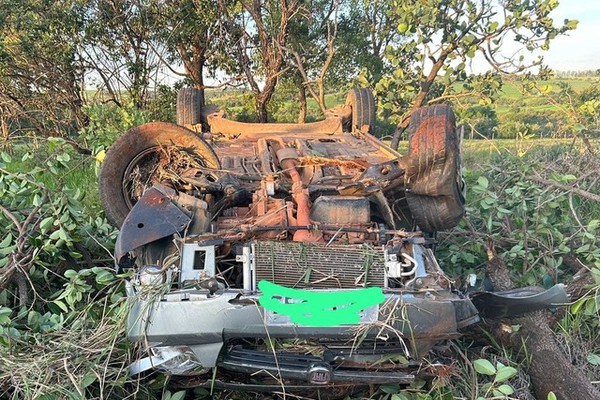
[319,308]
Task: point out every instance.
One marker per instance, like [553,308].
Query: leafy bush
[480,121]
[106,122]
[533,224]
[163,106]
[61,325]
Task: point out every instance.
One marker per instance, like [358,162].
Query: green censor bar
[318,308]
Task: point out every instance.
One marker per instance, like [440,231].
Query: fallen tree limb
[534,342]
[20,259]
[567,188]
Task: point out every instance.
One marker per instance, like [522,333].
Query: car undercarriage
[296,254]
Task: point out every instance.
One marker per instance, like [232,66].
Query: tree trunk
[199,84]
[549,368]
[261,110]
[198,77]
[194,64]
[302,101]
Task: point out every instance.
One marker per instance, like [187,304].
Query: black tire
[189,106]
[139,147]
[362,102]
[433,182]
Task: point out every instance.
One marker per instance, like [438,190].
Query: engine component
[334,210]
[288,159]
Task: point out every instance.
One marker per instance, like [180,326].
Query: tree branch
[580,192]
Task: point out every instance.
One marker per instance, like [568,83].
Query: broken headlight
[174,360]
[151,275]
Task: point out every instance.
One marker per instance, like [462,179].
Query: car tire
[362,102]
[135,147]
[433,181]
[189,106]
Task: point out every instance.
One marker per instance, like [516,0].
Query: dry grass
[88,358]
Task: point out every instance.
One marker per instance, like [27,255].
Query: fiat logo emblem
[319,375]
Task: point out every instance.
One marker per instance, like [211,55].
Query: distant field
[512,94]
[511,90]
[477,152]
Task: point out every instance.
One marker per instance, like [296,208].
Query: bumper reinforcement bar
[313,370]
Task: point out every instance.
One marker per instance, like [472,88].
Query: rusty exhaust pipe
[288,160]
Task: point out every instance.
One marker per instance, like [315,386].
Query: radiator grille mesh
[316,265]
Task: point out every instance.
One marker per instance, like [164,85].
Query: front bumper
[407,323]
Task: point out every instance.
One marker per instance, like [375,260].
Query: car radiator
[317,265]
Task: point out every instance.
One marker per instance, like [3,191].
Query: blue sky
[580,50]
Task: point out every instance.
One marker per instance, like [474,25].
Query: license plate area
[367,316]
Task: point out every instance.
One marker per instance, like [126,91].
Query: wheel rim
[144,170]
[129,184]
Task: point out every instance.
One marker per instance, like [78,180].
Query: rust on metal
[153,217]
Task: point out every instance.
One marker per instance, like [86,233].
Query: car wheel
[189,106]
[131,163]
[362,102]
[433,182]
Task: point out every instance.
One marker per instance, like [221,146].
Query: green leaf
[5,157]
[571,24]
[62,305]
[418,384]
[403,27]
[594,359]
[6,241]
[63,234]
[390,389]
[506,389]
[46,223]
[493,26]
[70,273]
[399,396]
[5,315]
[37,200]
[576,307]
[551,396]
[178,396]
[593,224]
[87,380]
[104,277]
[484,367]
[483,182]
[4,251]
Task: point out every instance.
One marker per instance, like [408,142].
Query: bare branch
[582,193]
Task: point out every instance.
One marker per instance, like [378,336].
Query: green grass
[479,152]
[517,112]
